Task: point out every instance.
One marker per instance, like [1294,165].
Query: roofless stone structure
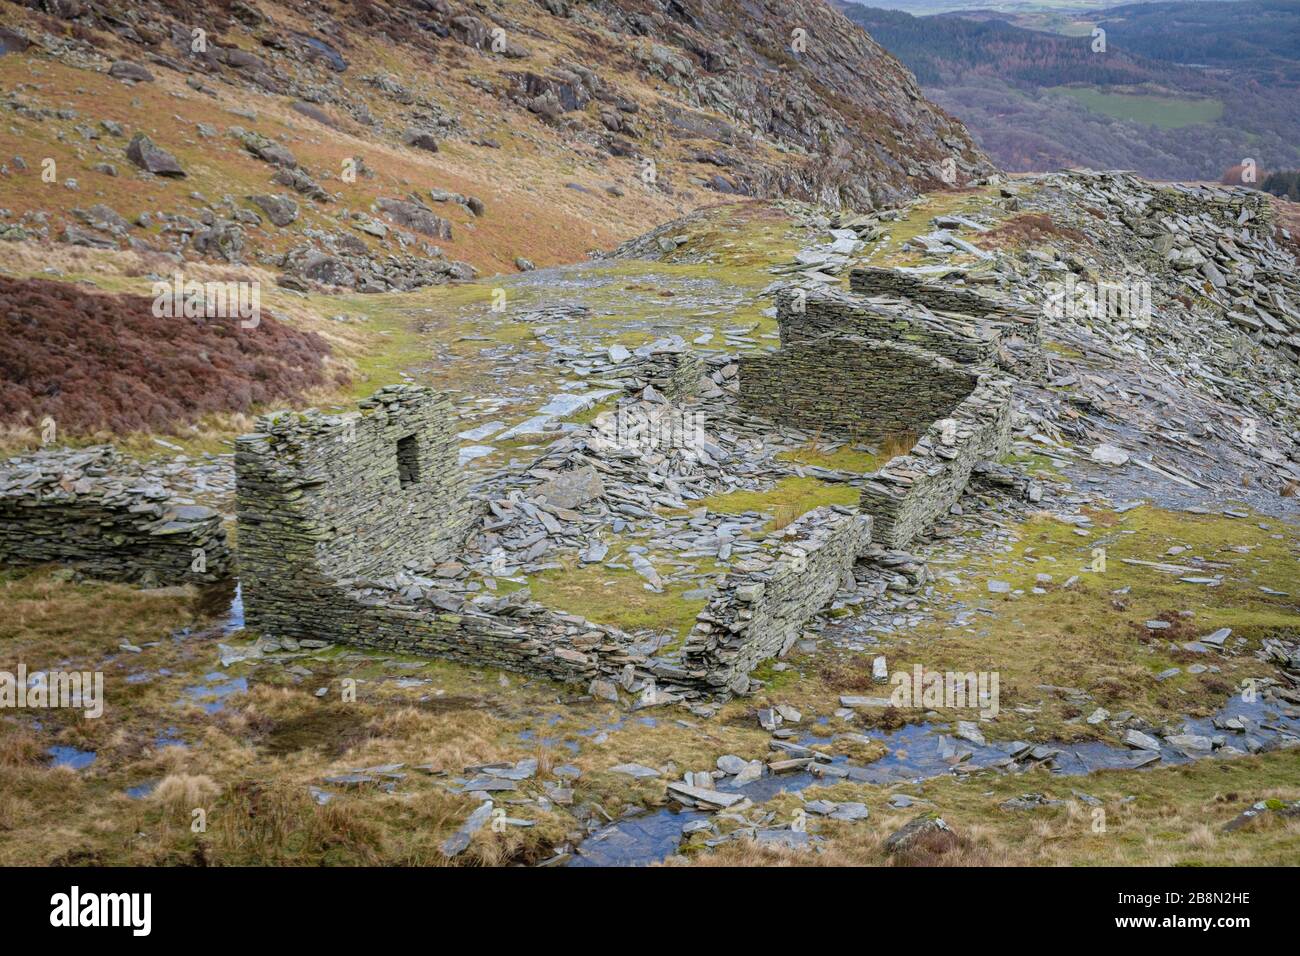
[923,361]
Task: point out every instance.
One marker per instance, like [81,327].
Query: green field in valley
[1166,112]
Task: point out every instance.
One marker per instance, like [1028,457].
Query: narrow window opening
[408,461]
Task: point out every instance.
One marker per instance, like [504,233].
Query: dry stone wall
[865,388]
[677,376]
[804,314]
[94,510]
[351,495]
[914,372]
[1016,327]
[762,605]
[909,492]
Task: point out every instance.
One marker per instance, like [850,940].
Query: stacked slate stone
[514,634]
[94,510]
[327,497]
[1018,326]
[867,389]
[803,314]
[909,492]
[677,375]
[760,608]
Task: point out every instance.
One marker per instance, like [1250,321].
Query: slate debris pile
[1210,379]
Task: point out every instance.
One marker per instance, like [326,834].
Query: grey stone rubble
[1208,380]
[94,510]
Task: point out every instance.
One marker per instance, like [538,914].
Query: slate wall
[909,492]
[763,604]
[1018,326]
[863,388]
[811,313]
[94,510]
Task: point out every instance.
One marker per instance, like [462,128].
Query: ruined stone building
[342,520]
[921,362]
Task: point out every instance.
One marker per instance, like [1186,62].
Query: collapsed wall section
[94,510]
[761,606]
[909,492]
[864,388]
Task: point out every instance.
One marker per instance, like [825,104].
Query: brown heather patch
[95,362]
[1029,228]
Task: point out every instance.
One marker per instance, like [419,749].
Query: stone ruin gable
[863,388]
[1017,326]
[909,492]
[92,509]
[760,608]
[810,313]
[363,494]
[678,376]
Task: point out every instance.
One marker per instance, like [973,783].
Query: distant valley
[1182,90]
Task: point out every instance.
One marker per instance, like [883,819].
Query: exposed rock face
[798,72]
[418,218]
[420,139]
[126,70]
[92,509]
[269,151]
[281,210]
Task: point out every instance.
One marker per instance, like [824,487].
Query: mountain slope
[575,124]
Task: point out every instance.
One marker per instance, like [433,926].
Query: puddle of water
[915,752]
[71,757]
[211,696]
[169,737]
[142,790]
[638,841]
[235,616]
